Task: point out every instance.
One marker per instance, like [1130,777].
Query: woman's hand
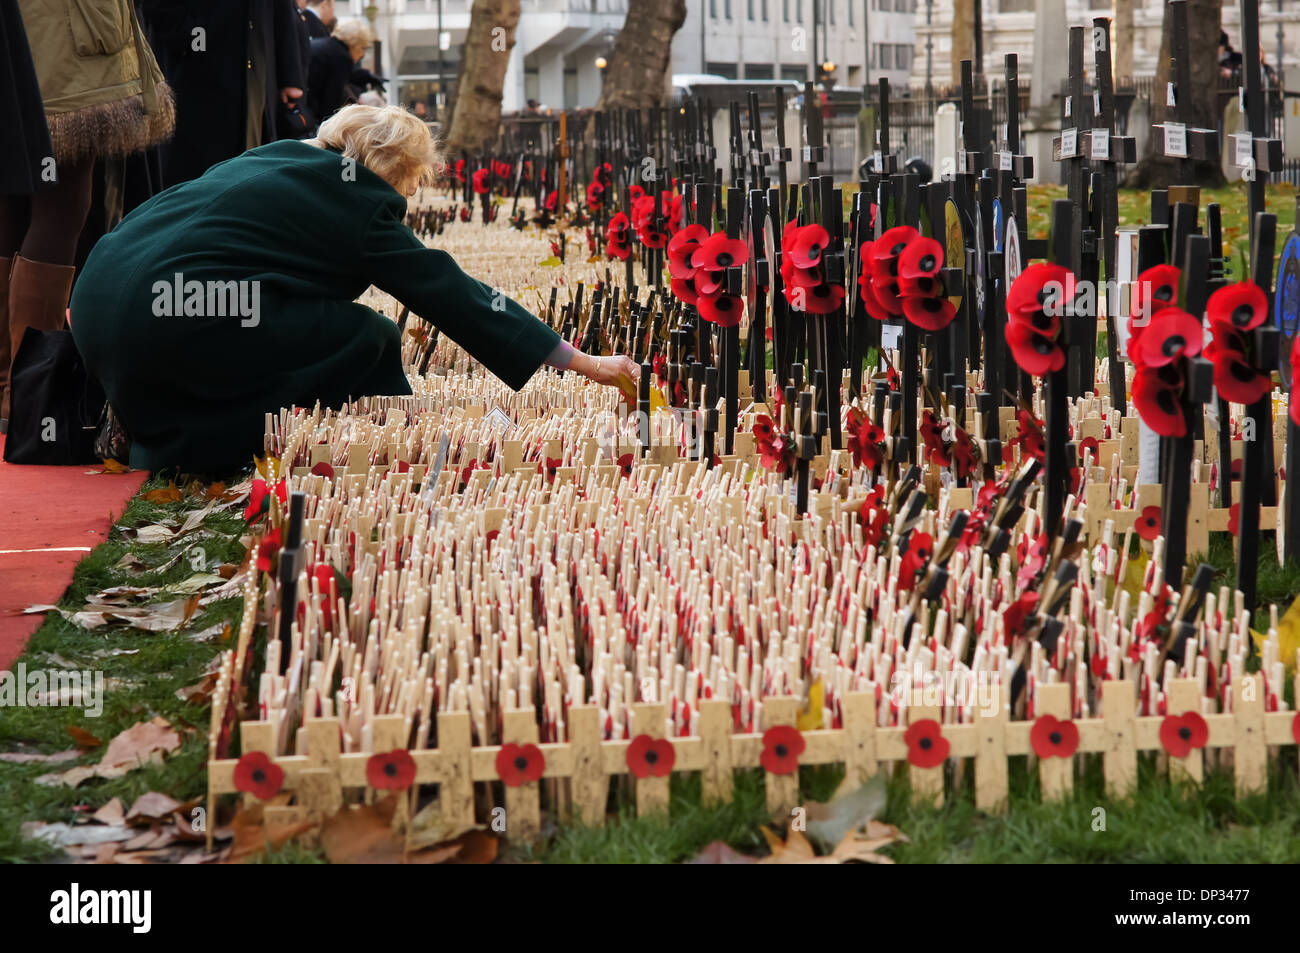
[608,370]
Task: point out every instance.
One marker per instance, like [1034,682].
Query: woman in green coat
[231,296]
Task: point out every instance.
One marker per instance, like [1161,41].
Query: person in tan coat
[103,97]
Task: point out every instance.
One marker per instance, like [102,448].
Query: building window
[902,56]
[885,55]
[713,9]
[785,11]
[749,9]
[725,70]
[851,2]
[797,73]
[798,10]
[764,11]
[830,4]
[726,7]
[758,71]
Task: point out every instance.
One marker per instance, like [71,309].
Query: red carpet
[50,517]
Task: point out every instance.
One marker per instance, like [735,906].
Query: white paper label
[1004,161]
[1176,140]
[1245,149]
[1069,103]
[889,333]
[499,419]
[1101,144]
[1069,143]
[880,162]
[1169,95]
[1096,104]
[1241,98]
[961,161]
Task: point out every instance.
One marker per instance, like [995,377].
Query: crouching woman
[232,295]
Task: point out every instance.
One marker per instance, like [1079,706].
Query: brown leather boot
[6,358]
[38,298]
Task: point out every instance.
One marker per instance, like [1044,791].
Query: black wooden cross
[1105,150]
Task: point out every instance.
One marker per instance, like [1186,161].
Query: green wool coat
[301,232]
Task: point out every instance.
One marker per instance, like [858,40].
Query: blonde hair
[354,33]
[387,140]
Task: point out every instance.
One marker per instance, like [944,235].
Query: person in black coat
[230,78]
[320,18]
[333,60]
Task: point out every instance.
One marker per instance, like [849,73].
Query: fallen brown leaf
[151,807]
[83,738]
[362,834]
[143,742]
[168,494]
[110,813]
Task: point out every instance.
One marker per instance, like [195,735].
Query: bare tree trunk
[1122,41]
[635,77]
[1154,170]
[482,76]
[963,35]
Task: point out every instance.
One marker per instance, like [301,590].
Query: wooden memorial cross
[831,326]
[1181,142]
[739,155]
[1105,150]
[729,345]
[758,275]
[1254,152]
[1064,244]
[1198,377]
[805,445]
[293,560]
[1256,466]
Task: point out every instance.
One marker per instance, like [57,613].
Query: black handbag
[295,120]
[55,405]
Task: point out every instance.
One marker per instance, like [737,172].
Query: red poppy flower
[1015,616]
[551,201]
[684,290]
[932,314]
[520,764]
[718,251]
[871,301]
[323,469]
[926,745]
[634,193]
[1040,289]
[777,454]
[681,247]
[1147,525]
[918,267]
[625,463]
[1034,353]
[1155,289]
[936,451]
[1181,734]
[259,500]
[885,252]
[648,757]
[1089,445]
[258,775]
[464,213]
[618,237]
[1241,306]
[1234,378]
[267,550]
[821,298]
[807,244]
[502,169]
[782,745]
[722,309]
[762,429]
[479,180]
[1053,738]
[595,195]
[1234,519]
[552,464]
[1172,334]
[460,170]
[391,770]
[1155,395]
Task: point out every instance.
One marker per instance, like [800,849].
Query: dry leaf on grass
[144,742]
[110,813]
[251,835]
[854,848]
[151,807]
[362,834]
[169,494]
[157,617]
[83,738]
[64,835]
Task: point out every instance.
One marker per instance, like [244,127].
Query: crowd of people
[109,102]
[224,147]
